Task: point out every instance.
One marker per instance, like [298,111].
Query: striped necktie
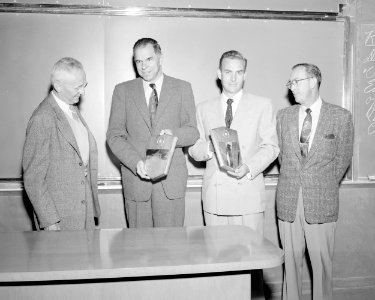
[229,114]
[305,133]
[153,103]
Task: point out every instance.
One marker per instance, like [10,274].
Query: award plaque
[227,147]
[159,155]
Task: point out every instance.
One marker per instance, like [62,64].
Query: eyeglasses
[81,87]
[295,82]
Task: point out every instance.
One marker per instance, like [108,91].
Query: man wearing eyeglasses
[316,146]
[60,158]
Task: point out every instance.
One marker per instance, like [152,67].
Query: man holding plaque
[142,109]
[233,186]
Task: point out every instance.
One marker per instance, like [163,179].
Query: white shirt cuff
[210,154]
[249,175]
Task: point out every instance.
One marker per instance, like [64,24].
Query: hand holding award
[159,155]
[227,148]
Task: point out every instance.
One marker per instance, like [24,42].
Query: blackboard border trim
[168,12]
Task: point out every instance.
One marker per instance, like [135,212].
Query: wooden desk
[159,263]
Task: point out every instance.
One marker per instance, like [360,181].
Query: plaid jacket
[321,172]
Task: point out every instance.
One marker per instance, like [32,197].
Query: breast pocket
[329,146]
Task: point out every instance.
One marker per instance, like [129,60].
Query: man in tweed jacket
[307,197]
[60,157]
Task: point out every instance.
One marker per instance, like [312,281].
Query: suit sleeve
[117,136]
[268,148]
[345,146]
[35,164]
[187,133]
[199,151]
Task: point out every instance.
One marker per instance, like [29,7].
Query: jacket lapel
[63,124]
[243,112]
[294,132]
[140,101]
[166,95]
[219,114]
[92,144]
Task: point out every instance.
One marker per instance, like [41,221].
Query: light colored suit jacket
[321,172]
[129,133]
[53,171]
[255,123]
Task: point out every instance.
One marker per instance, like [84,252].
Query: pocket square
[330,136]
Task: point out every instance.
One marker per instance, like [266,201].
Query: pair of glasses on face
[295,82]
[81,87]
[77,88]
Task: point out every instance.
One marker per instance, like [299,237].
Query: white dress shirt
[236,100]
[315,113]
[148,89]
[79,130]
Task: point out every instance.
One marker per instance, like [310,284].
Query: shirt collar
[315,107]
[63,105]
[236,98]
[158,83]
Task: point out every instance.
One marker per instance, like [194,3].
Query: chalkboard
[365,103]
[31,43]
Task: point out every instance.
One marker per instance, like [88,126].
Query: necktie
[305,133]
[74,113]
[229,114]
[153,102]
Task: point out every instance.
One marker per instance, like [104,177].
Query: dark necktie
[229,114]
[305,133]
[153,102]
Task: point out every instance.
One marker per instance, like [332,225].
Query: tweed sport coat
[255,123]
[321,172]
[129,133]
[53,171]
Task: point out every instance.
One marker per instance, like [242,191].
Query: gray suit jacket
[53,175]
[255,123]
[129,133]
[321,172]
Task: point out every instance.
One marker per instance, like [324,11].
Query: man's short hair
[311,70]
[147,41]
[65,64]
[232,54]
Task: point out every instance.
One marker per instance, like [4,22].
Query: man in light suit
[151,203]
[236,197]
[60,158]
[316,146]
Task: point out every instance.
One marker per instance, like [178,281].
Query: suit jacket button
[83,201]
[82,182]
[80,164]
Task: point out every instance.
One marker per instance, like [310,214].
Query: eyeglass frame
[78,88]
[295,82]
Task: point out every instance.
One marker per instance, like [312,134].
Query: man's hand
[210,152]
[55,227]
[166,131]
[141,170]
[240,172]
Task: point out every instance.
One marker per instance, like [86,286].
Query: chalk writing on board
[369,75]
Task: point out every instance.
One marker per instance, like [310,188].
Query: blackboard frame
[207,13]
